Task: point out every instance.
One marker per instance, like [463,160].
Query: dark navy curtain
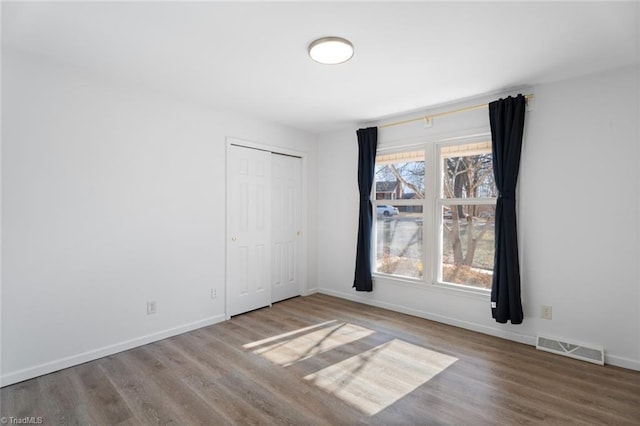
[367,145]
[507,128]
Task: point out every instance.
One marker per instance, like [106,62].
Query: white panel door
[248,229]
[285,235]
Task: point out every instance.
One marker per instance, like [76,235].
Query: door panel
[248,232]
[285,226]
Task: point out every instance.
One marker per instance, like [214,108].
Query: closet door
[286,223]
[248,229]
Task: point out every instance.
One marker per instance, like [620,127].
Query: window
[467,203]
[435,213]
[399,184]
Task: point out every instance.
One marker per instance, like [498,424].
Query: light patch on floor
[300,345]
[375,379]
[288,334]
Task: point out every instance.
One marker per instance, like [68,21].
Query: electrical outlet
[151,307]
[214,293]
[546,312]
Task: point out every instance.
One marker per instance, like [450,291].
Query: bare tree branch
[409,185]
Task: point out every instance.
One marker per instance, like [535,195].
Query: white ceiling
[251,58]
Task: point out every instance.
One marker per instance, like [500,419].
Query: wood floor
[320,360]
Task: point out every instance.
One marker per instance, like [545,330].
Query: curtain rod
[441,114]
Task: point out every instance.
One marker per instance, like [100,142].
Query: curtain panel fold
[367,146]
[507,128]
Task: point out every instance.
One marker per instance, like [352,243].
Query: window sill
[404,281]
[463,289]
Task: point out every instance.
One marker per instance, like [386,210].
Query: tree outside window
[468,213]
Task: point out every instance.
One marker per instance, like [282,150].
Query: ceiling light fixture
[331,50]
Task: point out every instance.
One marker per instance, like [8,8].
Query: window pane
[399,241]
[467,171]
[400,176]
[468,244]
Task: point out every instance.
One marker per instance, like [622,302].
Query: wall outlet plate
[546,312]
[151,308]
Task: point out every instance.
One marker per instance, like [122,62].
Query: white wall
[112,197]
[578,218]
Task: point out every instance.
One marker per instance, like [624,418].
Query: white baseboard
[620,361]
[516,337]
[310,291]
[614,360]
[59,364]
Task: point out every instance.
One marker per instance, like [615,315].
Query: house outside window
[388,190]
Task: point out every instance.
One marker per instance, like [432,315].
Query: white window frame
[431,212]
[396,202]
[441,201]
